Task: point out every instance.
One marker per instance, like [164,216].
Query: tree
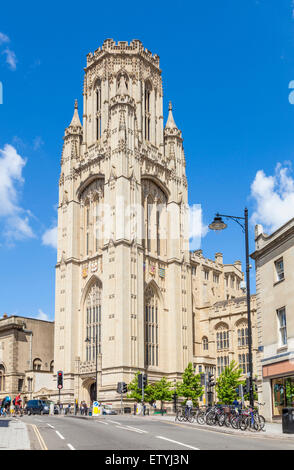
[161,391]
[190,387]
[227,383]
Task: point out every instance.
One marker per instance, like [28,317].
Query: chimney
[218,258]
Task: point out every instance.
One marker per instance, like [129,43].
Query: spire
[171,128]
[170,124]
[75,122]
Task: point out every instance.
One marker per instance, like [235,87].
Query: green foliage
[161,391]
[190,387]
[228,382]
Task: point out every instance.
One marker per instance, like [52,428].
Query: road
[137,433]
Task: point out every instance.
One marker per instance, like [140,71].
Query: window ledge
[278,282]
[282,349]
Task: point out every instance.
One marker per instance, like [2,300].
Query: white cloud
[274,198]
[42,316]
[38,143]
[9,53]
[10,58]
[16,219]
[3,38]
[197,230]
[49,238]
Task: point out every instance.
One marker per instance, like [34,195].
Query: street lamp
[88,340]
[218,224]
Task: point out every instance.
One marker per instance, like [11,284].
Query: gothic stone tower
[123,285]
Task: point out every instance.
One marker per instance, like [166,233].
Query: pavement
[15,434]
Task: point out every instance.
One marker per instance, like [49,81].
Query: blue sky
[227,67]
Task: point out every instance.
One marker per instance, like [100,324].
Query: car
[40,407]
[108,411]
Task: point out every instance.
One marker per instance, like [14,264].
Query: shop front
[280,376]
[282,394]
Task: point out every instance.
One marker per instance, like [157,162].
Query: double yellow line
[39,437]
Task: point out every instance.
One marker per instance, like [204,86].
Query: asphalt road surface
[137,433]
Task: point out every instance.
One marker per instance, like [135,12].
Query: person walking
[17,404]
[85,409]
[189,406]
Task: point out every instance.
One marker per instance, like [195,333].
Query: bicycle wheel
[210,419]
[261,421]
[221,419]
[235,422]
[244,423]
[201,417]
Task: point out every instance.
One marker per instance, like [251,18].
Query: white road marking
[102,422]
[59,435]
[179,443]
[50,425]
[114,422]
[71,447]
[128,429]
[137,429]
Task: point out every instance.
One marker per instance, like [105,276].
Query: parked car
[40,407]
[107,410]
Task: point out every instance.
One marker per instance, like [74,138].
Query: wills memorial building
[128,290]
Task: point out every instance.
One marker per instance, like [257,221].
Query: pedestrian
[17,403]
[236,405]
[189,406]
[85,409]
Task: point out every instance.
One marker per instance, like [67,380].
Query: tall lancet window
[98,109]
[151,328]
[93,321]
[147,109]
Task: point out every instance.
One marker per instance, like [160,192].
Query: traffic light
[202,377]
[142,381]
[60,379]
[210,382]
[121,387]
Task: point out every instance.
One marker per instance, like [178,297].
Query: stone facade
[125,279]
[26,357]
[274,262]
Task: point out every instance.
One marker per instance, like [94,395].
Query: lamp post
[219,224]
[88,340]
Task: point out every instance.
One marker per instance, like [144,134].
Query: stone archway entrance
[93,392]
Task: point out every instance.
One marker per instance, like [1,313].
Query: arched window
[151,328]
[98,109]
[52,366]
[37,364]
[93,321]
[242,337]
[155,218]
[205,343]
[91,200]
[244,362]
[222,363]
[147,110]
[2,378]
[222,338]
